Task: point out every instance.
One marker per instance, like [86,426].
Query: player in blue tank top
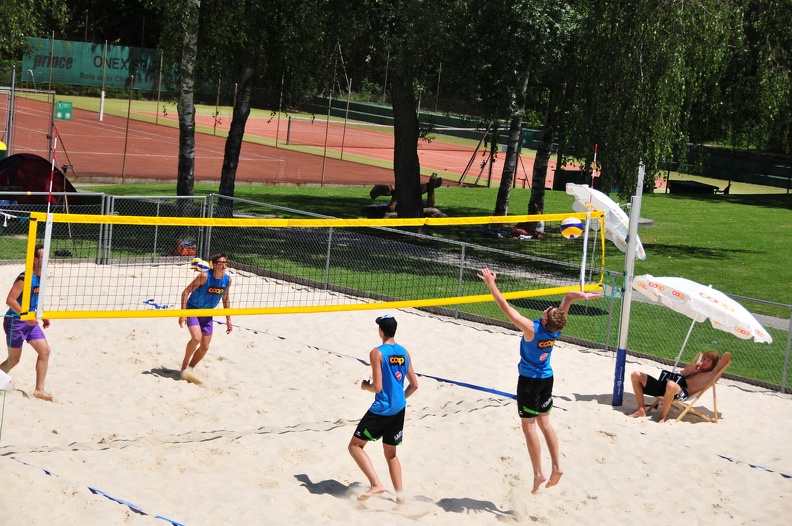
[390,365]
[18,331]
[535,383]
[204,292]
[535,355]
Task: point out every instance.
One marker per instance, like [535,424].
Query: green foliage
[28,18]
[640,68]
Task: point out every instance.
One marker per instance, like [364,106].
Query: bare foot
[538,479]
[190,376]
[555,476]
[400,499]
[370,493]
[639,413]
[44,395]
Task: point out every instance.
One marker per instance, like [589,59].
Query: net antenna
[47,231]
[593,171]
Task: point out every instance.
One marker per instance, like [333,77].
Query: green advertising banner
[86,64]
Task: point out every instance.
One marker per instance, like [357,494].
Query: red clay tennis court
[95,149]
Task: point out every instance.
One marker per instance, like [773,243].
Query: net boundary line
[307,309]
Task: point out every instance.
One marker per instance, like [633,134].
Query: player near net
[18,331]
[204,292]
[535,383]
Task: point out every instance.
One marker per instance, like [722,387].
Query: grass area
[736,242]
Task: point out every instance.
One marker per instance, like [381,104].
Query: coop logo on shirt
[215,290]
[546,344]
[397,360]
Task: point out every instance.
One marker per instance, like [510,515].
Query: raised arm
[692,368]
[520,321]
[577,295]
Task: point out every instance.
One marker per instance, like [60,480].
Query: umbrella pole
[683,344]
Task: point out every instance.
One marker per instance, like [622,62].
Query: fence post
[156,229]
[786,357]
[461,277]
[327,259]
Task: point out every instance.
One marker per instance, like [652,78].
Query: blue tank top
[395,363]
[535,355]
[34,292]
[208,295]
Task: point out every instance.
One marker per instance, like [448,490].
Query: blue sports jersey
[395,363]
[535,355]
[208,295]
[34,293]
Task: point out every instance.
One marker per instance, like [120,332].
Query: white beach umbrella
[699,303]
[617,223]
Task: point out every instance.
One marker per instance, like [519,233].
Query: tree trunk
[185,182]
[233,145]
[406,166]
[512,152]
[509,166]
[543,153]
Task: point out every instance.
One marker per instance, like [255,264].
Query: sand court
[263,439]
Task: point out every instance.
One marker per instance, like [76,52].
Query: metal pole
[159,90]
[385,85]
[280,107]
[156,230]
[346,116]
[104,76]
[327,260]
[629,274]
[327,133]
[437,93]
[126,134]
[52,52]
[10,128]
[459,282]
[786,357]
[217,105]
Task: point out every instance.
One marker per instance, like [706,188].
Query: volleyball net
[104,266]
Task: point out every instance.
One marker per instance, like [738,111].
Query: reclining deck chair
[687,406]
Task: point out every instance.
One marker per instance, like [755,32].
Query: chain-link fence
[385,265]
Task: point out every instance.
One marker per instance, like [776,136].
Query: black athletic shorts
[657,388]
[534,396]
[389,428]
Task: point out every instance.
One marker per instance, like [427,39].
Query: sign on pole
[63,111]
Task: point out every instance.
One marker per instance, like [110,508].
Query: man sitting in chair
[671,386]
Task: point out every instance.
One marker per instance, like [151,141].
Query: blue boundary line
[755,466]
[95,491]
